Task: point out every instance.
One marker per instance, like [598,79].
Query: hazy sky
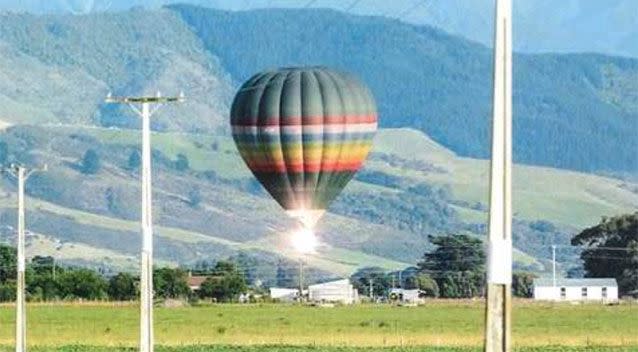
[606,26]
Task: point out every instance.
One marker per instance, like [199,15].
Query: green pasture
[439,324]
[224,348]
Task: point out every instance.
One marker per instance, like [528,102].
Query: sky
[603,26]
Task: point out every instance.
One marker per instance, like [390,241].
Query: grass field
[438,324]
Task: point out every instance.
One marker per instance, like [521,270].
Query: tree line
[453,268]
[48,281]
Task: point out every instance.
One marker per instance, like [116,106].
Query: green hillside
[58,69]
[570,111]
[409,189]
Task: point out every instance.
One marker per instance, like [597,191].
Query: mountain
[60,68]
[426,175]
[606,27]
[570,111]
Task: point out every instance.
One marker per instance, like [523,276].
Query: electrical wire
[352,5]
[409,10]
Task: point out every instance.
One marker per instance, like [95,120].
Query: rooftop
[607,282]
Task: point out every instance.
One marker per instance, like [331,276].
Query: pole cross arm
[144,99]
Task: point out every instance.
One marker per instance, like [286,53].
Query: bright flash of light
[304,240]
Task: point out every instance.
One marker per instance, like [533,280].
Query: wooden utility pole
[21,174]
[146,277]
[499,274]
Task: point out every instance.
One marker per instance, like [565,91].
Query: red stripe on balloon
[307,167]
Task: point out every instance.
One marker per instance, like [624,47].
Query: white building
[284,294]
[406,296]
[605,290]
[340,291]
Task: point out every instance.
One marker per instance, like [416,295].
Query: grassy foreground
[254,327]
[318,349]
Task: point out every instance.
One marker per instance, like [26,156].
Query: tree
[122,287]
[4,153]
[82,283]
[523,284]
[170,283]
[457,264]
[8,260]
[285,276]
[194,197]
[247,265]
[428,285]
[379,278]
[134,160]
[182,164]
[225,284]
[91,163]
[611,250]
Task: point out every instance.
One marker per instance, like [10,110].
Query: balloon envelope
[304,133]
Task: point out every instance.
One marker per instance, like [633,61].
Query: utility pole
[21,173]
[499,275]
[554,265]
[146,277]
[371,281]
[301,281]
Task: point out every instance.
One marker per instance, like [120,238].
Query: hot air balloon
[304,132]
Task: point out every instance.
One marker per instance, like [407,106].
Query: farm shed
[406,296]
[340,291]
[284,294]
[603,289]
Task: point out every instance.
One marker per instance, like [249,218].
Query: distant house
[603,289]
[339,291]
[406,296]
[195,282]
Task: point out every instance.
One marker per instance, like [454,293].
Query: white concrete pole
[146,276]
[146,289]
[499,274]
[21,319]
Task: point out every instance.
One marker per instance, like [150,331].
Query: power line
[409,10]
[309,3]
[352,5]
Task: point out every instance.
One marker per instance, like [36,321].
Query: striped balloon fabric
[304,132]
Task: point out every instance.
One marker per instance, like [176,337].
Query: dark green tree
[226,283]
[247,265]
[182,164]
[194,197]
[611,250]
[4,153]
[82,283]
[134,160]
[91,163]
[8,260]
[170,283]
[286,275]
[379,278]
[427,284]
[457,264]
[523,284]
[122,287]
